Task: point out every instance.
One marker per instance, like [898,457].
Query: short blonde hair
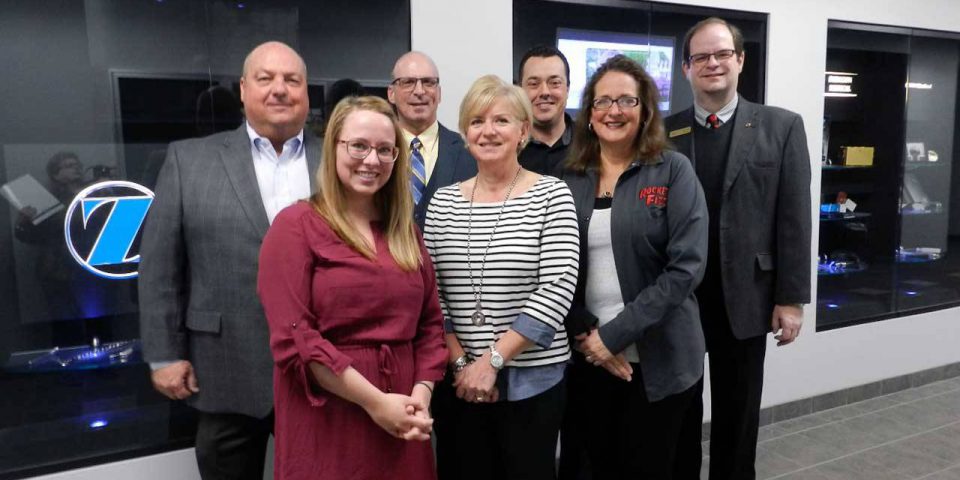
[393,200]
[488,89]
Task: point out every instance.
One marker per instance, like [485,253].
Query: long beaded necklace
[478,318]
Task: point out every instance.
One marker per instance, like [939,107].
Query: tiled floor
[911,434]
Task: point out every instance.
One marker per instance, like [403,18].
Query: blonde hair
[488,89]
[393,200]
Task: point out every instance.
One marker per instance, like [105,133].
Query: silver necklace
[478,318]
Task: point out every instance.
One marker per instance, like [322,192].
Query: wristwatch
[460,363]
[496,360]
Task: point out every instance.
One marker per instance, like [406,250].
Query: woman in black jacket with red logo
[635,320]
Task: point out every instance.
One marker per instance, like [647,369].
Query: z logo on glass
[102,227]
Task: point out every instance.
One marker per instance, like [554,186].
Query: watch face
[496,360]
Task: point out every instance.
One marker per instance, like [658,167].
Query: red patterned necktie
[712,121]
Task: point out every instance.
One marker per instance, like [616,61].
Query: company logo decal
[102,227]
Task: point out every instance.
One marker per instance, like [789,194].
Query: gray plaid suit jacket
[198,271]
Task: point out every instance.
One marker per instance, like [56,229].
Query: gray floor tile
[875,404]
[941,443]
[906,462]
[840,413]
[770,463]
[771,431]
[937,387]
[881,428]
[801,449]
[808,474]
[799,424]
[841,439]
[856,467]
[924,414]
[947,474]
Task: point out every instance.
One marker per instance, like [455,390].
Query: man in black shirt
[545,76]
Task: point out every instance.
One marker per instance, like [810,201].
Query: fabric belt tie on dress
[386,363]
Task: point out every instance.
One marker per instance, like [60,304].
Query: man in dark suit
[438,156]
[203,328]
[755,169]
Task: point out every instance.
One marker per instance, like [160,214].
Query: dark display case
[101,88]
[889,230]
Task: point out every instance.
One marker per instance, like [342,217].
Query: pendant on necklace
[478,318]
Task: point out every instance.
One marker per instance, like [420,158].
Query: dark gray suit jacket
[454,164]
[198,271]
[765,213]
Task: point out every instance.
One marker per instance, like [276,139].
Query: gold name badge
[680,131]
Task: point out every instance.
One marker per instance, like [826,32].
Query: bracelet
[425,384]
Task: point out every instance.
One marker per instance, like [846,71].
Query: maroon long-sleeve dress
[326,303]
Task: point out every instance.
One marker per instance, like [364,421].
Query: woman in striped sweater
[505,245]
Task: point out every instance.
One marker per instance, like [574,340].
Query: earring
[590,126]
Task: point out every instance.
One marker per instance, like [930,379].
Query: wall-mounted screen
[586,50]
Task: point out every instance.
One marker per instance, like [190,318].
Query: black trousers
[625,435]
[736,386]
[497,440]
[231,446]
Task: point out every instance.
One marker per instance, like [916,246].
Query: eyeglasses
[605,103]
[360,150]
[409,83]
[703,58]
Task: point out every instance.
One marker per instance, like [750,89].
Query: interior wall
[469,39]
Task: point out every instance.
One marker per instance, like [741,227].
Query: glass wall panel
[589,32]
[888,186]
[97,90]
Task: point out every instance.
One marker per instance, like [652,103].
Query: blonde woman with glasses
[355,324]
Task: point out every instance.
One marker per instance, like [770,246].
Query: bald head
[272,48]
[416,103]
[273,89]
[417,60]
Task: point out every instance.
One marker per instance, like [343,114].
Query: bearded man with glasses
[753,163]
[437,155]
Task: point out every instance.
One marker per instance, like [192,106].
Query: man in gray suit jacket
[415,92]
[753,163]
[203,328]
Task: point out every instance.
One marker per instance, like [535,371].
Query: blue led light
[833,306]
[98,424]
[910,293]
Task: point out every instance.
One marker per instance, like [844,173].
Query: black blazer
[198,271]
[765,213]
[454,164]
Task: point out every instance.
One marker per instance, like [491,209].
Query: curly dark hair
[651,139]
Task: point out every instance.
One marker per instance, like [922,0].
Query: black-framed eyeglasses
[605,103]
[703,58]
[409,83]
[359,150]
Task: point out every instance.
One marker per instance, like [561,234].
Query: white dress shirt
[283,179]
[723,114]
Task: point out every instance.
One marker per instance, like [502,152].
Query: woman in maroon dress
[355,323]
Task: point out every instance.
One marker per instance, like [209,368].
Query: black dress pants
[506,440]
[625,435]
[232,446]
[736,386]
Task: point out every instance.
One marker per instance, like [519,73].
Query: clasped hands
[598,355]
[476,382]
[405,417]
